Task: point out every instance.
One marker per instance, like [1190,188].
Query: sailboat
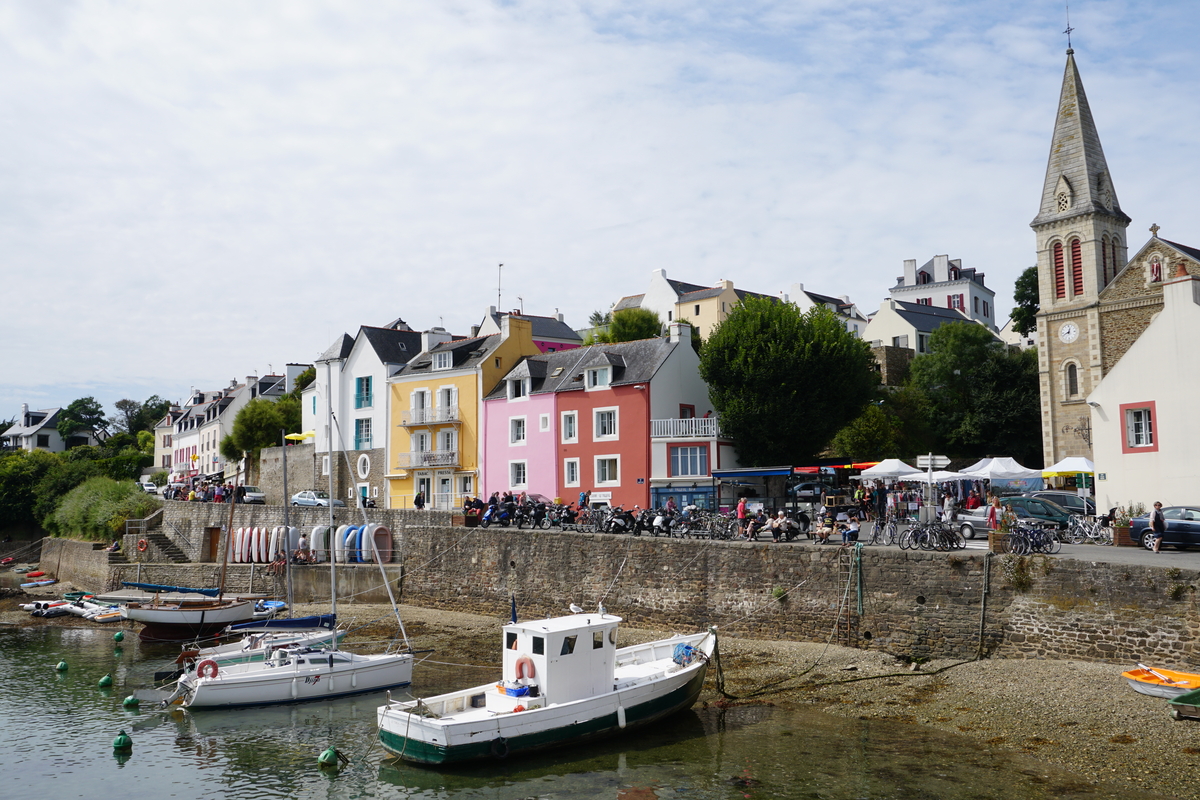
[296,672]
[180,619]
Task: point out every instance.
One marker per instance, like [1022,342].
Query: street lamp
[295,437]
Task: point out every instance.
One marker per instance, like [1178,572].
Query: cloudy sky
[196,191]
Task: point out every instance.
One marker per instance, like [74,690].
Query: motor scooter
[620,521]
[501,514]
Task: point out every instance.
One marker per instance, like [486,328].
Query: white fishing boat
[564,681]
[180,621]
[259,640]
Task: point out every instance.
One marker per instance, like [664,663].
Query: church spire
[1077,177]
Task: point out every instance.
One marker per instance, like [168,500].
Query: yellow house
[437,413]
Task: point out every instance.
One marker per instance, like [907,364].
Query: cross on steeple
[1154,229]
[1069,28]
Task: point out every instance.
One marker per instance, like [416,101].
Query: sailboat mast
[228,539]
[332,528]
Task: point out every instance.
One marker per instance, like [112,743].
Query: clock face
[1069,332]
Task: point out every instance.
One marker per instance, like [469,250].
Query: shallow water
[56,730]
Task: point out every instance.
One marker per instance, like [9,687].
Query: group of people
[206,492]
[301,555]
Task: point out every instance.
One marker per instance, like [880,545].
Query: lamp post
[295,437]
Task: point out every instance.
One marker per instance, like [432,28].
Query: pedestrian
[302,556]
[1158,524]
[741,516]
[419,500]
[948,509]
[850,532]
[993,514]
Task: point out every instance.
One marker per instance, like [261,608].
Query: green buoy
[130,702]
[105,682]
[122,742]
[119,636]
[62,666]
[331,758]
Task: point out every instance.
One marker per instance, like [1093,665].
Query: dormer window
[597,378]
[442,360]
[518,388]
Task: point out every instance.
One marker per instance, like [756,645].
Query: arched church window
[1076,268]
[1060,284]
[1072,380]
[1104,259]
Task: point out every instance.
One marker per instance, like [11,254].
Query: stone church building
[1096,299]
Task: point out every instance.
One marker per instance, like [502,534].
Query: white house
[35,430]
[1145,430]
[851,317]
[944,282]
[909,325]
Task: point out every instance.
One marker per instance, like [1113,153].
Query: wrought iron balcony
[692,428]
[428,458]
[430,416]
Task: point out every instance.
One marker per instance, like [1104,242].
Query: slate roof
[926,318]
[630,301]
[1189,251]
[391,345]
[543,327]
[338,350]
[632,362]
[28,427]
[466,353]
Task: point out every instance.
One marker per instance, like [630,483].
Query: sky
[197,191]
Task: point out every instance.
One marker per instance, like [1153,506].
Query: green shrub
[99,508]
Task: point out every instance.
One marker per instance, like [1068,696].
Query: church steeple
[1077,177]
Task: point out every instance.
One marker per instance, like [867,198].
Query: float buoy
[332,759]
[131,702]
[119,636]
[525,667]
[105,682]
[207,668]
[62,666]
[142,545]
[122,742]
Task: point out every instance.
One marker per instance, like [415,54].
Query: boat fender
[142,545]
[207,668]
[186,655]
[525,667]
[621,717]
[500,747]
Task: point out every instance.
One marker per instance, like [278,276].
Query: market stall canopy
[888,468]
[938,476]
[1001,469]
[1072,465]
[751,472]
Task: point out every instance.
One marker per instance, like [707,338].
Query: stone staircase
[163,544]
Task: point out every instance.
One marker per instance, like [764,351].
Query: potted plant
[1122,518]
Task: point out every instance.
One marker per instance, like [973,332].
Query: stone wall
[301,469]
[893,363]
[911,603]
[83,564]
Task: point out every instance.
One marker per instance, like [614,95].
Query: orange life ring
[142,545]
[207,668]
[525,667]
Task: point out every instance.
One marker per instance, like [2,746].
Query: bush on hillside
[99,508]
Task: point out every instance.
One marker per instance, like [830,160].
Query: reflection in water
[734,753]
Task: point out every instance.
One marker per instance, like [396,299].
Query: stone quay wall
[914,604]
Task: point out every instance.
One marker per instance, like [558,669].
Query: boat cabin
[561,659]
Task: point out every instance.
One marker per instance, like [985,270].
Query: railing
[693,428]
[363,400]
[430,416]
[362,442]
[428,458]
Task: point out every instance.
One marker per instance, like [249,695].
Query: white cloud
[194,190]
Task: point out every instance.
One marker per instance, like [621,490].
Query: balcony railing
[428,458]
[693,428]
[362,442]
[430,416]
[363,400]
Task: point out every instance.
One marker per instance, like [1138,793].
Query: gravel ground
[1078,715]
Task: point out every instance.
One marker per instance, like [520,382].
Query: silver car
[314,498]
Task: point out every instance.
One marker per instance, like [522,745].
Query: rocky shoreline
[1077,715]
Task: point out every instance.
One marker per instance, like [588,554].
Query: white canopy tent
[890,468]
[1072,465]
[939,476]
[1000,469]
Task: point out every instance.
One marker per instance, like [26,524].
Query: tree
[895,426]
[784,382]
[600,319]
[133,417]
[633,324]
[303,380]
[84,414]
[1028,300]
[259,424]
[983,398]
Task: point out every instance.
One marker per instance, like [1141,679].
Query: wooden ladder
[846,627]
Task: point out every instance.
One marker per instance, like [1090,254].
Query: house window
[446,441]
[464,485]
[570,431]
[544,422]
[697,311]
[314,404]
[419,442]
[517,389]
[516,430]
[324,465]
[1072,380]
[687,412]
[516,474]
[445,399]
[604,423]
[608,470]
[362,392]
[985,309]
[571,472]
[1139,428]
[43,440]
[597,377]
[975,304]
[900,341]
[689,461]
[443,360]
[922,342]
[669,315]
[362,434]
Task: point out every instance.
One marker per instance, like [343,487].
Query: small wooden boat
[37,574]
[35,584]
[1166,683]
[564,682]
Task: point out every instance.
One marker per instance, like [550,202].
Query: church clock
[1069,332]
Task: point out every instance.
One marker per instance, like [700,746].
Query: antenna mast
[498,269]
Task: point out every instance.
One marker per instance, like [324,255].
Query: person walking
[419,501]
[741,516]
[1158,524]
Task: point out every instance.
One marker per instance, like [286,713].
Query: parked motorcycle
[619,521]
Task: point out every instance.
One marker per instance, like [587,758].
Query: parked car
[148,487]
[1036,509]
[254,496]
[1075,503]
[314,498]
[813,489]
[1183,528]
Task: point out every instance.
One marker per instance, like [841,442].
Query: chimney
[845,299]
[25,414]
[680,332]
[910,272]
[432,338]
[474,331]
[724,284]
[941,268]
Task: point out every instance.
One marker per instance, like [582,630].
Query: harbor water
[57,731]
